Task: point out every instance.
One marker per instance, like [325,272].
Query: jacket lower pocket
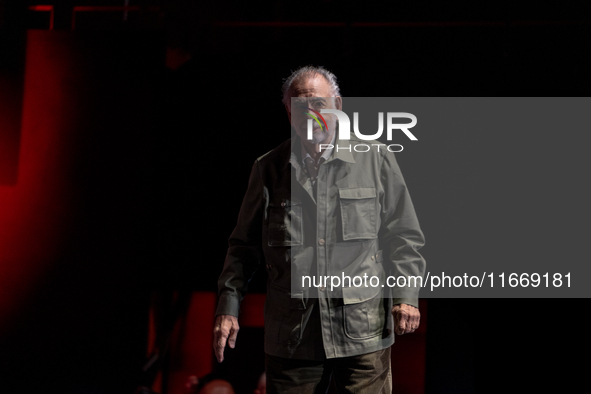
[365,319]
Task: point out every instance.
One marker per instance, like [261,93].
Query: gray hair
[310,71]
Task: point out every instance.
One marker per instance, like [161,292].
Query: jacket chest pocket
[358,212]
[285,223]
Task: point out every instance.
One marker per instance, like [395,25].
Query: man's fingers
[225,331]
[220,335]
[416,320]
[233,334]
[219,343]
[411,323]
[406,319]
[402,322]
[404,326]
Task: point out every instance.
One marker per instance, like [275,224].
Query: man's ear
[338,101]
[288,113]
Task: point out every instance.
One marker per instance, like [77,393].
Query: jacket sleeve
[244,248]
[400,234]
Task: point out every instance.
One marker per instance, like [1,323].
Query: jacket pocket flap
[358,192]
[369,288]
[355,295]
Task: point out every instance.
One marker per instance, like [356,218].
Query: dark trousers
[367,373]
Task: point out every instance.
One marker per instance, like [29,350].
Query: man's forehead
[311,86]
[312,101]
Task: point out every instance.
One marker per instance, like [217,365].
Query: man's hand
[406,318]
[225,329]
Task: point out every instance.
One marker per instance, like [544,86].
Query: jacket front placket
[323,243]
[317,236]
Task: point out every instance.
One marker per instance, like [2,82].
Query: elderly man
[311,209]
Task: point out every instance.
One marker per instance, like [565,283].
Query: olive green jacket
[360,222]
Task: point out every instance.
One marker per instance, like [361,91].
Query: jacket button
[282,204]
[320,242]
[373,257]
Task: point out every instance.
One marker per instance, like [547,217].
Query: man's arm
[401,238]
[242,260]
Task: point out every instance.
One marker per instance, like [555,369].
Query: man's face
[315,93]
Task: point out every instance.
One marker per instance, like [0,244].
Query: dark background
[153,162]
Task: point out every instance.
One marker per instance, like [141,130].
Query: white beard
[320,137]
